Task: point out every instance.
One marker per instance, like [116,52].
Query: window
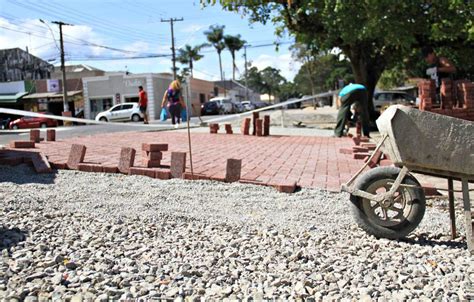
[131,99]
[202,98]
[127,107]
[117,108]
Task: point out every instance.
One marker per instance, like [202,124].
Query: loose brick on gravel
[76,155]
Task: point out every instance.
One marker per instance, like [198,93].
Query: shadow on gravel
[25,174]
[11,237]
[424,241]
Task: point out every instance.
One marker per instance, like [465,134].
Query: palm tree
[215,36]
[233,44]
[189,54]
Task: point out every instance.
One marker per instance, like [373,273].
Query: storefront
[101,93]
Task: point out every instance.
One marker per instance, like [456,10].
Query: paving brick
[76,155]
[22,144]
[90,167]
[40,163]
[151,163]
[195,176]
[35,135]
[142,171]
[51,135]
[162,174]
[154,147]
[361,155]
[109,169]
[58,165]
[266,125]
[375,159]
[127,158]
[259,129]
[228,128]
[156,155]
[245,127]
[213,128]
[360,149]
[346,151]
[356,140]
[370,146]
[233,169]
[255,117]
[286,186]
[178,164]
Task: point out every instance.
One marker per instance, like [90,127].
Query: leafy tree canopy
[373,34]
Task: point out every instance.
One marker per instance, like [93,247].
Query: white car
[248,105]
[121,112]
[225,104]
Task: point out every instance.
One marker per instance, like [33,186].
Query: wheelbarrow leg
[452,214]
[467,214]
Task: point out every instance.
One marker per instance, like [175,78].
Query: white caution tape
[75,119]
[282,104]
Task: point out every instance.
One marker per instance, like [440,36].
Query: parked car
[384,99]
[248,106]
[121,112]
[225,104]
[210,108]
[237,107]
[33,122]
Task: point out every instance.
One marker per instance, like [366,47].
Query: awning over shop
[51,95]
[11,98]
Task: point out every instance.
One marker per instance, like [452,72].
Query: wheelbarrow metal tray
[428,142]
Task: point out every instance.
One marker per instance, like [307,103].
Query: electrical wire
[116,30]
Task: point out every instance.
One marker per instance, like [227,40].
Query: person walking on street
[353,93]
[173,99]
[143,102]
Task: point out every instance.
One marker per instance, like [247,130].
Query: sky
[134,27]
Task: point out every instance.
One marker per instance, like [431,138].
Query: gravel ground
[92,236]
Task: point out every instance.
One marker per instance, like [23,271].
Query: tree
[215,36]
[233,44]
[321,73]
[271,81]
[373,34]
[254,79]
[189,54]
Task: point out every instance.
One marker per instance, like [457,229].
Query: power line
[122,33]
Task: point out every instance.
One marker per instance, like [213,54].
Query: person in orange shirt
[143,102]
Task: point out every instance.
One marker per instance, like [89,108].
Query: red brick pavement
[313,162]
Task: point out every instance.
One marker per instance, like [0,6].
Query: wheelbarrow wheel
[395,217]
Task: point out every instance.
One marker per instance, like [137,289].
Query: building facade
[101,93]
[19,65]
[235,91]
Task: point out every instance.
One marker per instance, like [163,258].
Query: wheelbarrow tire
[398,230]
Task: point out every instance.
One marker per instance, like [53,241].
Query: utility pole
[171,21]
[246,74]
[63,68]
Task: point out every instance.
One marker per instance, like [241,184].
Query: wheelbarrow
[388,202]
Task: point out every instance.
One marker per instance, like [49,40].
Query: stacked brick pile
[457,98]
[152,154]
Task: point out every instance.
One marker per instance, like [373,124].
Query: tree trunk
[367,71]
[191,67]
[233,65]
[220,65]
